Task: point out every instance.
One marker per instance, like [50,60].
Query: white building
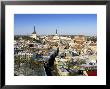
[34,35]
[56,37]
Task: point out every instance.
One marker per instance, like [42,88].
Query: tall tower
[34,34]
[34,31]
[56,31]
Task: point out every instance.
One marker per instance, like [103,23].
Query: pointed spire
[56,31]
[34,31]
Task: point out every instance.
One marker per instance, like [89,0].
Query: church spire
[56,31]
[34,31]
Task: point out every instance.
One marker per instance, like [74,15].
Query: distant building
[24,55]
[34,35]
[80,39]
[56,37]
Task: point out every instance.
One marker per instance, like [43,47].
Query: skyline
[46,24]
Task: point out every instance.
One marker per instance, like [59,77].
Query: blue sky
[46,24]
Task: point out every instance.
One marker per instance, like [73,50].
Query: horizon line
[53,34]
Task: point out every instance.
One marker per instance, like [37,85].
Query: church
[34,35]
[56,37]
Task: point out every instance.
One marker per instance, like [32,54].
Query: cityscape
[54,53]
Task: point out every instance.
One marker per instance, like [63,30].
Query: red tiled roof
[92,73]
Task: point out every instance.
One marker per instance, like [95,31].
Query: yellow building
[79,39]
